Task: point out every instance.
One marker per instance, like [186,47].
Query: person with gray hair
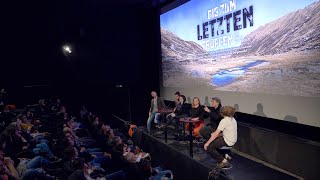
[215,117]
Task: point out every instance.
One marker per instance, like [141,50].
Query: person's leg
[88,142]
[116,175]
[161,174]
[150,119]
[101,159]
[206,131]
[90,150]
[32,173]
[37,162]
[170,118]
[213,146]
[97,154]
[157,118]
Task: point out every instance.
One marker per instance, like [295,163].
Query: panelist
[196,113]
[225,135]
[157,104]
[180,111]
[177,98]
[215,117]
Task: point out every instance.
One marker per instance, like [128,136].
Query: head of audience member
[177,96]
[182,99]
[2,91]
[195,102]
[96,119]
[24,119]
[154,94]
[70,153]
[20,118]
[10,132]
[69,141]
[58,101]
[29,114]
[105,128]
[215,102]
[123,148]
[116,140]
[67,130]
[110,134]
[63,109]
[131,157]
[227,111]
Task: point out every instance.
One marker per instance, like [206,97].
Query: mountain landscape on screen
[296,31]
[280,57]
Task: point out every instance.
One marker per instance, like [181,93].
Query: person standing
[157,104]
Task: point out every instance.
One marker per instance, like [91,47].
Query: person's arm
[199,114]
[214,135]
[162,102]
[10,164]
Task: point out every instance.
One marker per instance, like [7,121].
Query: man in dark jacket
[157,104]
[181,110]
[215,118]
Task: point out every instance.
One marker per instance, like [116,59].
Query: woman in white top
[225,135]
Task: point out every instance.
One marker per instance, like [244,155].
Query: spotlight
[66,49]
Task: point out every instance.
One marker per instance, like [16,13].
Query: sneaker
[223,165]
[227,157]
[171,127]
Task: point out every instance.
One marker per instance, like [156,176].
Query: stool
[226,151]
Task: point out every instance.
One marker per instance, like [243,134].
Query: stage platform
[243,166]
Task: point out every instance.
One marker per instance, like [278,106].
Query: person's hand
[207,109]
[149,113]
[82,149]
[206,146]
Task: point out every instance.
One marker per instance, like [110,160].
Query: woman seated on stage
[196,113]
[228,137]
[180,111]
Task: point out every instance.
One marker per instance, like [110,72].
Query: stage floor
[243,168]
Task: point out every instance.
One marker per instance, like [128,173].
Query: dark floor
[242,168]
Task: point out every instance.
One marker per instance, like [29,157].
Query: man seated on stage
[177,98]
[157,104]
[180,111]
[215,118]
[228,137]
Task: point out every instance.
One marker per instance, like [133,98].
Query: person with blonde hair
[225,135]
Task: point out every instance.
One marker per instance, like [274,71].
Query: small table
[165,112]
[190,121]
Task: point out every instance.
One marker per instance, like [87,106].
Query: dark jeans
[213,149]
[206,131]
[175,120]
